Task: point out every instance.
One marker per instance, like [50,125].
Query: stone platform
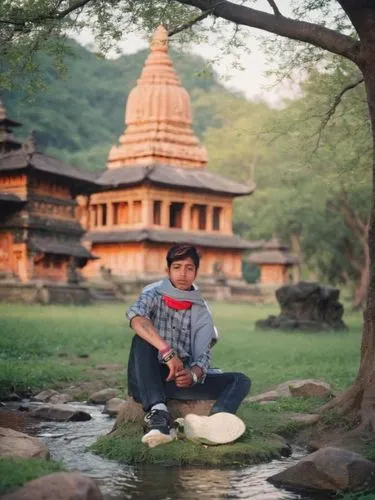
[44,293]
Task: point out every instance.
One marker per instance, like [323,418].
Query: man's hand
[175,366]
[184,378]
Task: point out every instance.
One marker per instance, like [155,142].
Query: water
[68,443]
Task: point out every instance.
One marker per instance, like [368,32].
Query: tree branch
[312,33]
[331,111]
[274,8]
[191,23]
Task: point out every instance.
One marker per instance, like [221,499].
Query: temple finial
[30,145]
[159,40]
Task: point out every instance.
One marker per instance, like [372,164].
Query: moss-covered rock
[124,444]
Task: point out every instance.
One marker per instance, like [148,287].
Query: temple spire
[158,117]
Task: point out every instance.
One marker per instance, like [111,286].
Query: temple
[156,189]
[277,265]
[39,231]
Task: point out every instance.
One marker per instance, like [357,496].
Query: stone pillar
[147,215]
[194,219]
[99,215]
[186,217]
[110,210]
[227,220]
[165,213]
[131,211]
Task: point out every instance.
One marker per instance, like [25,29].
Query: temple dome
[158,117]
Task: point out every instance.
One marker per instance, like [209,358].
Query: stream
[68,443]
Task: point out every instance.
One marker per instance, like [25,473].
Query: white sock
[159,406]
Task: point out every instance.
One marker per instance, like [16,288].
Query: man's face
[182,273]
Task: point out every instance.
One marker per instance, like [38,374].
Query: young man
[170,357]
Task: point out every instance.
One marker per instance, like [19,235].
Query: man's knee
[244,382]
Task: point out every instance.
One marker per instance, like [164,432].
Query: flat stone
[310,388]
[101,397]
[264,397]
[112,407]
[58,486]
[329,469]
[44,396]
[297,387]
[60,399]
[19,445]
[60,413]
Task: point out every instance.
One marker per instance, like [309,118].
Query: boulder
[328,469]
[59,399]
[101,397]
[112,407]
[45,396]
[60,413]
[131,411]
[58,486]
[307,306]
[304,388]
[19,445]
[310,388]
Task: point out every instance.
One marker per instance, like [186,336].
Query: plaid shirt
[173,326]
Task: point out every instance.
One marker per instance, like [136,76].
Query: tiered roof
[273,252]
[7,141]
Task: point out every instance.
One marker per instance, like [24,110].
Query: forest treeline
[310,158]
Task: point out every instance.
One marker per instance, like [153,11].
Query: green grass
[40,346]
[15,472]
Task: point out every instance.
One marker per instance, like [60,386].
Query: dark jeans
[147,385]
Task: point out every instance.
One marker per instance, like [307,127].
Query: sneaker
[220,428]
[157,428]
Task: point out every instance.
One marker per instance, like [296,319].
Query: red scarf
[177,304]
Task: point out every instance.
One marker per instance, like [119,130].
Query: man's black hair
[181,252]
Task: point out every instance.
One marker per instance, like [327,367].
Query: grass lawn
[45,347]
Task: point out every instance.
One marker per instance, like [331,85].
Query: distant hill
[78,117]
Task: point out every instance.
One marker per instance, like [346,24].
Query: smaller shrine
[277,264]
[39,230]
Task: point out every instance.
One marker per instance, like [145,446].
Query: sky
[251,78]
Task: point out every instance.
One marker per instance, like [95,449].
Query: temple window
[216,218]
[157,213]
[199,217]
[115,209]
[94,215]
[175,214]
[137,211]
[103,222]
[123,212]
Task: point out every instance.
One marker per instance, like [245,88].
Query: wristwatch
[194,377]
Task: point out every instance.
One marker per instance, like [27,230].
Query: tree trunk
[359,399]
[361,289]
[295,243]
